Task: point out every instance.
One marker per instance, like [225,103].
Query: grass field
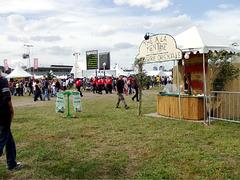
[108,143]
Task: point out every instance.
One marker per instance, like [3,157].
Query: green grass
[108,143]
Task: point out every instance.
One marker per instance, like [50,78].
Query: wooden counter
[192,106]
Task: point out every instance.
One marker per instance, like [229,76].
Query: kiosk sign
[159,48]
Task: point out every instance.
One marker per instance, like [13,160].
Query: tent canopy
[18,72]
[77,70]
[196,39]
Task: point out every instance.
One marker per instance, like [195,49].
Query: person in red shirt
[129,83]
[99,84]
[95,85]
[78,86]
[103,82]
[109,85]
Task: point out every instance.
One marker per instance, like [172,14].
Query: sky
[58,28]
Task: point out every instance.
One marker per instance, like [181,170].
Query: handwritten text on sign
[159,48]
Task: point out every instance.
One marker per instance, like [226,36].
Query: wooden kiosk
[160,48]
[196,44]
[192,106]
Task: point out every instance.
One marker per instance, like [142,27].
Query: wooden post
[140,89]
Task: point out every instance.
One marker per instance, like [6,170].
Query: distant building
[58,70]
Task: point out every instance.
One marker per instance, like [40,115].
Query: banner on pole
[35,63]
[60,103]
[77,104]
[6,68]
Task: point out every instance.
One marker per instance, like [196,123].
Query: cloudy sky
[59,28]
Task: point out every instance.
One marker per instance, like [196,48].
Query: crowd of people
[45,88]
[161,81]
[39,88]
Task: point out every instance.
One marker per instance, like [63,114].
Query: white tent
[119,70]
[77,70]
[18,72]
[196,39]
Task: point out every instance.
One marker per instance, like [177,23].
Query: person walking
[45,89]
[135,86]
[21,88]
[30,87]
[99,84]
[109,85]
[95,85]
[120,89]
[57,85]
[7,114]
[37,92]
[78,86]
[103,82]
[130,83]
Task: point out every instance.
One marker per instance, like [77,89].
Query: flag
[5,65]
[35,63]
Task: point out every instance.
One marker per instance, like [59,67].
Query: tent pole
[204,84]
[179,94]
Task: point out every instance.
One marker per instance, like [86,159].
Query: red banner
[35,63]
[5,65]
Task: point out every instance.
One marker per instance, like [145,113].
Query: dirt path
[28,101]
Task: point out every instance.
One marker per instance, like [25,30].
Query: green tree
[141,81]
[50,75]
[223,69]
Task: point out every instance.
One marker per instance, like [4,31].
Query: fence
[224,106]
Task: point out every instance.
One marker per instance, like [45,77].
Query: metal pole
[29,63]
[104,72]
[179,95]
[205,87]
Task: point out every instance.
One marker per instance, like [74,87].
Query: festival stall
[195,44]
[177,101]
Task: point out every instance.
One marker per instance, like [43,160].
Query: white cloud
[106,30]
[17,22]
[225,6]
[26,6]
[53,38]
[15,38]
[155,5]
[124,45]
[223,23]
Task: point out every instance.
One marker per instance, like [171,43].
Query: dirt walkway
[28,101]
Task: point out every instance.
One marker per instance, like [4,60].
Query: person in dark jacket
[120,88]
[135,86]
[7,113]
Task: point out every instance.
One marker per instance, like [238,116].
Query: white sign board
[159,48]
